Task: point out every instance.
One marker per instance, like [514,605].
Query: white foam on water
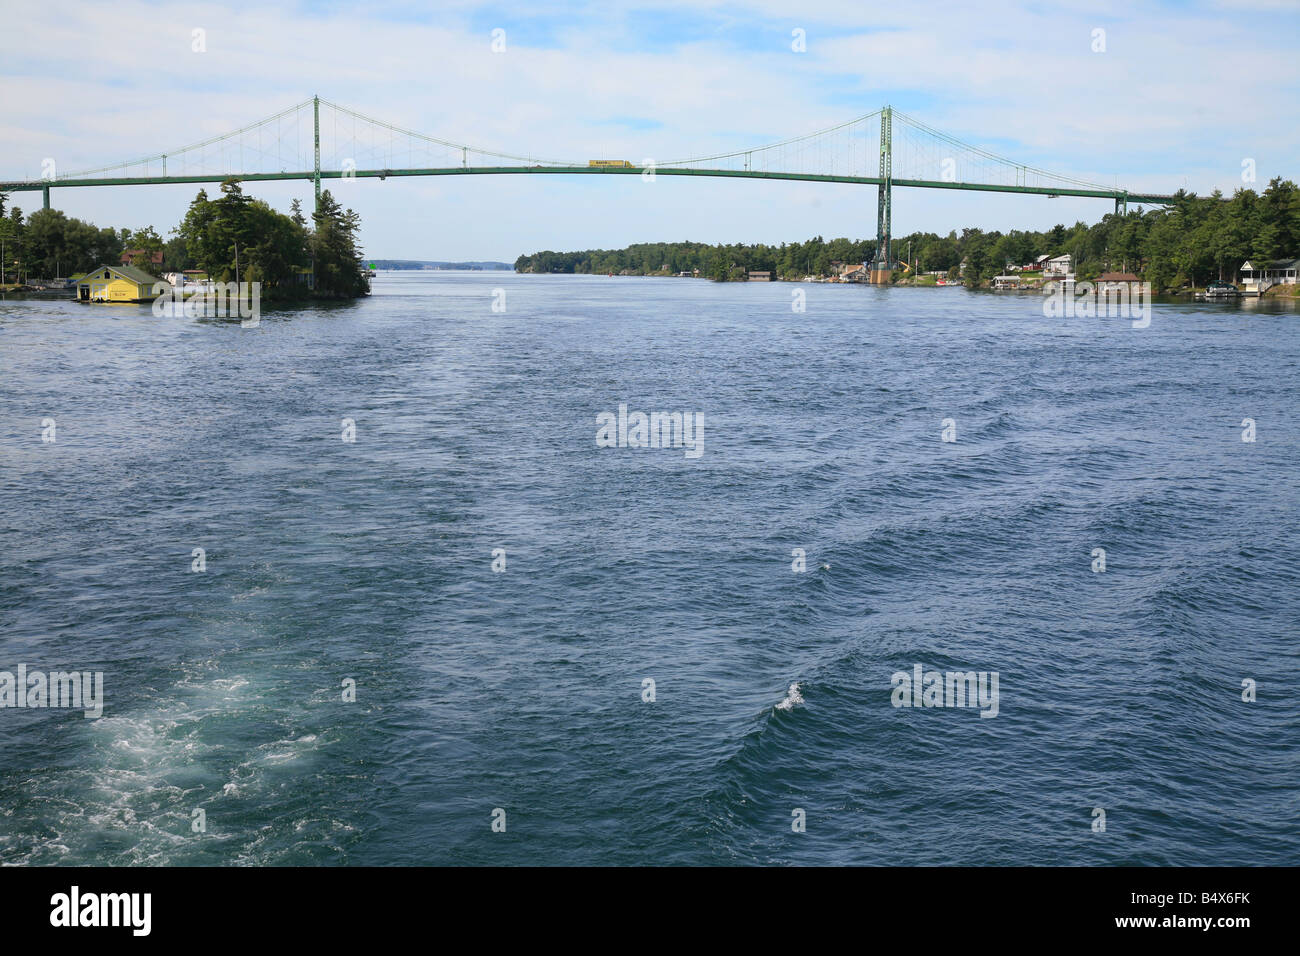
[229,683]
[792,698]
[140,774]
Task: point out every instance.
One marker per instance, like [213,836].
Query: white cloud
[93,83]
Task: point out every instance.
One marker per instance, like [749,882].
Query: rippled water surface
[523,690]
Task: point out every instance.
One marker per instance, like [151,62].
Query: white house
[1058,266]
[1255,276]
[1285,271]
[1281,271]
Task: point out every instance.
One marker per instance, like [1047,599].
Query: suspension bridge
[318,140]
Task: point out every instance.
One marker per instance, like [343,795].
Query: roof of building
[1118,277]
[130,273]
[137,275]
[1059,258]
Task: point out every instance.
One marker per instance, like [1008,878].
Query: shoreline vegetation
[233,237]
[1178,248]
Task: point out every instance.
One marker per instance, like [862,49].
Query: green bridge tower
[881,267]
[316,112]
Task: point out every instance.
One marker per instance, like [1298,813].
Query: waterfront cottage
[1279,271]
[116,284]
[1256,277]
[1283,271]
[1115,281]
[1058,266]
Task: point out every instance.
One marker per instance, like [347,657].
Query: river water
[333,568]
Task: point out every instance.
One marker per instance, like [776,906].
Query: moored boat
[1219,290]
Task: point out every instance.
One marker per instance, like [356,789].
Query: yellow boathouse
[116,284]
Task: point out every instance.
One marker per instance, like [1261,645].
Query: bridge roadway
[1118,195]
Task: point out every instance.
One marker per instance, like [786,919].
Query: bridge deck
[309,175]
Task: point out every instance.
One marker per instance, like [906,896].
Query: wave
[792,698]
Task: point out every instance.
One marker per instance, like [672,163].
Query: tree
[237,237]
[1279,221]
[10,244]
[55,244]
[334,251]
[147,244]
[1191,240]
[174,255]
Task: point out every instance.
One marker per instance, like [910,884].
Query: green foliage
[720,262]
[1194,240]
[54,245]
[231,238]
[237,238]
[11,236]
[175,258]
[147,242]
[340,271]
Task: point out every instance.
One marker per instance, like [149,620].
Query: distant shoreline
[438,265]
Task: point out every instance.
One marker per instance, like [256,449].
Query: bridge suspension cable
[210,141]
[802,147]
[462,148]
[919,158]
[319,139]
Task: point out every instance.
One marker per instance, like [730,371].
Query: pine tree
[333,244]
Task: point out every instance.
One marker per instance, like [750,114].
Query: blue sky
[1180,96]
